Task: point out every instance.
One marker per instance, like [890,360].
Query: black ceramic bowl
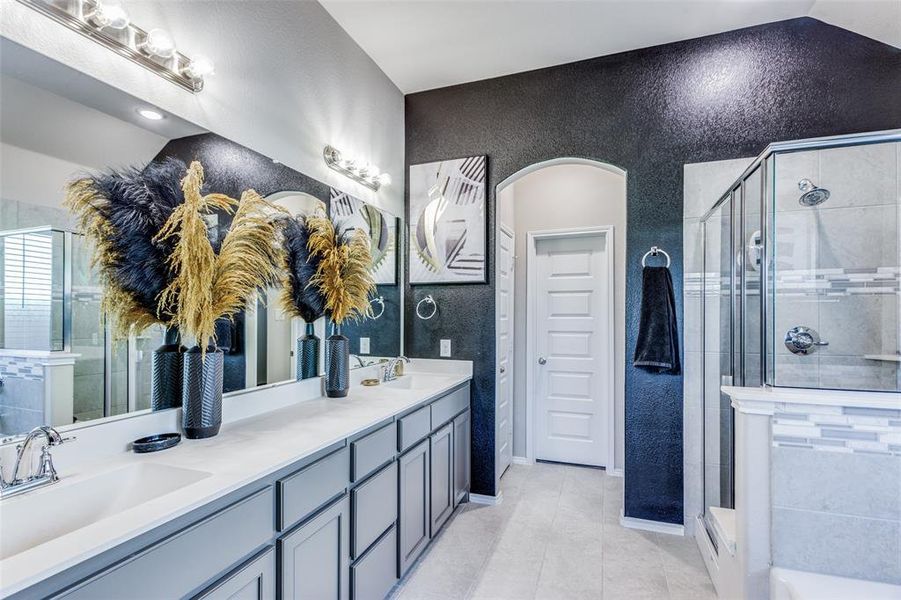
[154,443]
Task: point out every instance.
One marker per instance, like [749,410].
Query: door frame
[501,227]
[607,231]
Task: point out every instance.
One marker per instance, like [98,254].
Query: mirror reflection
[60,361]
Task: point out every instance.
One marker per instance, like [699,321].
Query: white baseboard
[522,460]
[615,472]
[646,525]
[487,500]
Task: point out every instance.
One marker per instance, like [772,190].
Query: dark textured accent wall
[649,112]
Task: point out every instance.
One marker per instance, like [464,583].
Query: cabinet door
[413,481]
[254,581]
[314,557]
[461,456]
[441,452]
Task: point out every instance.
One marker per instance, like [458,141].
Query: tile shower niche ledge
[759,400]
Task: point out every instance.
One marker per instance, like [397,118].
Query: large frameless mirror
[60,363]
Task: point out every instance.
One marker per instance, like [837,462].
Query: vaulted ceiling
[425,44]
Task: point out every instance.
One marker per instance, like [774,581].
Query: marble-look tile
[864,237]
[837,544]
[576,549]
[856,373]
[704,183]
[797,371]
[858,324]
[859,175]
[869,486]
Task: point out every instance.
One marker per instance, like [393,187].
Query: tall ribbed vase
[307,354]
[202,392]
[337,364]
[166,373]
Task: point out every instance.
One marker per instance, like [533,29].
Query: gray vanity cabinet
[462,460]
[254,581]
[441,488]
[315,557]
[413,505]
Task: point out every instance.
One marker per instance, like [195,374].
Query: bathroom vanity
[322,498]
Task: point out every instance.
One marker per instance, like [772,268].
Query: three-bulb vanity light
[107,22]
[358,170]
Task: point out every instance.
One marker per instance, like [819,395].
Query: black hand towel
[657,348]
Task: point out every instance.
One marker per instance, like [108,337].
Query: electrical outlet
[445,348]
[364,345]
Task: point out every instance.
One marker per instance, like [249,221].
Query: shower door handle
[803,340]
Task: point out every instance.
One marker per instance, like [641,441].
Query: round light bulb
[159,43]
[199,67]
[108,15]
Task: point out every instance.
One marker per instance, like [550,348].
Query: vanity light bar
[360,171]
[107,23]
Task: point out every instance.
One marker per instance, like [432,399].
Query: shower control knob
[803,340]
[542,360]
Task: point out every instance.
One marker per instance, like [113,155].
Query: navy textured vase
[202,392]
[166,373]
[337,364]
[307,354]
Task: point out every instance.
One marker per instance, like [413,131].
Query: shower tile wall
[703,185]
[837,267]
[849,525]
[21,395]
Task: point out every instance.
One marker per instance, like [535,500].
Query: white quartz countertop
[243,452]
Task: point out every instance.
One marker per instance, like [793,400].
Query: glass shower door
[720,301]
[836,268]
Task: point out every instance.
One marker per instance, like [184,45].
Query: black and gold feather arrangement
[299,298]
[120,212]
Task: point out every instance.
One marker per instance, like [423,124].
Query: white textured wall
[565,197]
[288,80]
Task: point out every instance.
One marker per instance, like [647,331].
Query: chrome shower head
[812,195]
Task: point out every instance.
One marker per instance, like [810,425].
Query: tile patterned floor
[556,535]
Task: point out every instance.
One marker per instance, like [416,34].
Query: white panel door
[571,294]
[504,400]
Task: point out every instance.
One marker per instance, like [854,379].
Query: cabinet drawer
[312,487]
[373,576]
[374,509]
[372,451]
[413,428]
[210,547]
[446,408]
[254,581]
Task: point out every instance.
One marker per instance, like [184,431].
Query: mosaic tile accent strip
[839,429]
[807,282]
[21,368]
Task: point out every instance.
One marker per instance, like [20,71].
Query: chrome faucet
[357,358]
[390,373]
[46,472]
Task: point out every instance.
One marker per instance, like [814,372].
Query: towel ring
[654,251]
[431,301]
[381,302]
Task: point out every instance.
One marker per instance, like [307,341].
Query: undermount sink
[34,518]
[417,381]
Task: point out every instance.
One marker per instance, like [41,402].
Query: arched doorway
[537,207]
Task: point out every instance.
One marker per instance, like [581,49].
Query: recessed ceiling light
[150,114]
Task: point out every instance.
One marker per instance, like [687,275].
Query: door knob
[542,360]
[803,340]
[503,370]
